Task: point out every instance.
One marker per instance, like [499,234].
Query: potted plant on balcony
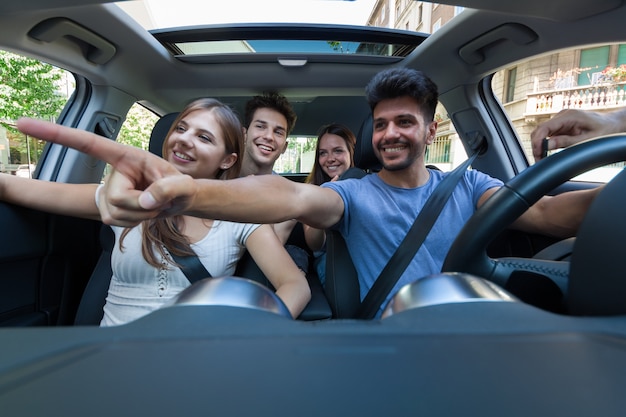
[616,74]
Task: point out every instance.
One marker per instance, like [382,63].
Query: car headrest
[159,132]
[364,156]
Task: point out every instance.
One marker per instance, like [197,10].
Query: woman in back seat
[205,141]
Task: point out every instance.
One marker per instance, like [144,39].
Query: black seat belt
[191,266]
[404,254]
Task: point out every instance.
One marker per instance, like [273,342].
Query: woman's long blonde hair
[161,235]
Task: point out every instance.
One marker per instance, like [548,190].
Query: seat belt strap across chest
[409,246]
[191,266]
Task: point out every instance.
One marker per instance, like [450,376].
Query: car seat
[90,310]
[342,284]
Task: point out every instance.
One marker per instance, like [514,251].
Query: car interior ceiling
[557,10]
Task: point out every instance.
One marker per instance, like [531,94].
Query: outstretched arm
[144,186]
[572,126]
[261,199]
[139,169]
[53,197]
[558,216]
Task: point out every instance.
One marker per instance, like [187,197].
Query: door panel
[45,262]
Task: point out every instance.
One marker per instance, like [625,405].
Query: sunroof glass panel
[294,47]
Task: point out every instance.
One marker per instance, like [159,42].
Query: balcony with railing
[604,94]
[599,96]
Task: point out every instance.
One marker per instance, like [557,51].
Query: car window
[447,151]
[535,90]
[136,129]
[28,88]
[299,156]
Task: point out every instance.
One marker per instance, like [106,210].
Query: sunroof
[286,39]
[291,46]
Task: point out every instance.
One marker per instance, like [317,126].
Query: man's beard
[406,162]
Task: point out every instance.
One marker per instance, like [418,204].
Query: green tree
[28,88]
[137,128]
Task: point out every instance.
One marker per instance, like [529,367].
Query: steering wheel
[468,252]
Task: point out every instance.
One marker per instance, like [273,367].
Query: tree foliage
[29,88]
[137,128]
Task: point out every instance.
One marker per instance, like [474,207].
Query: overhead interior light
[292,62]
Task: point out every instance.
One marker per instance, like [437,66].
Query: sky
[171,13]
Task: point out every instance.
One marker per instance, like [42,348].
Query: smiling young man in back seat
[268,120]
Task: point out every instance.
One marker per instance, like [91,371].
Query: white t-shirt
[137,288]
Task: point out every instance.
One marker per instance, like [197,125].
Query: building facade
[532,91]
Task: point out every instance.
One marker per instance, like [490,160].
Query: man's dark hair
[402,82]
[271,100]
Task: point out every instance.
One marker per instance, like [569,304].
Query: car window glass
[28,88]
[588,78]
[447,151]
[299,156]
[136,129]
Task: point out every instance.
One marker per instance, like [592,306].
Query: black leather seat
[342,284]
[159,132]
[90,310]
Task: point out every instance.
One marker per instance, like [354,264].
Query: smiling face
[196,146]
[400,133]
[266,140]
[334,156]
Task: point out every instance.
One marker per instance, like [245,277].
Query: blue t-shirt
[377,216]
